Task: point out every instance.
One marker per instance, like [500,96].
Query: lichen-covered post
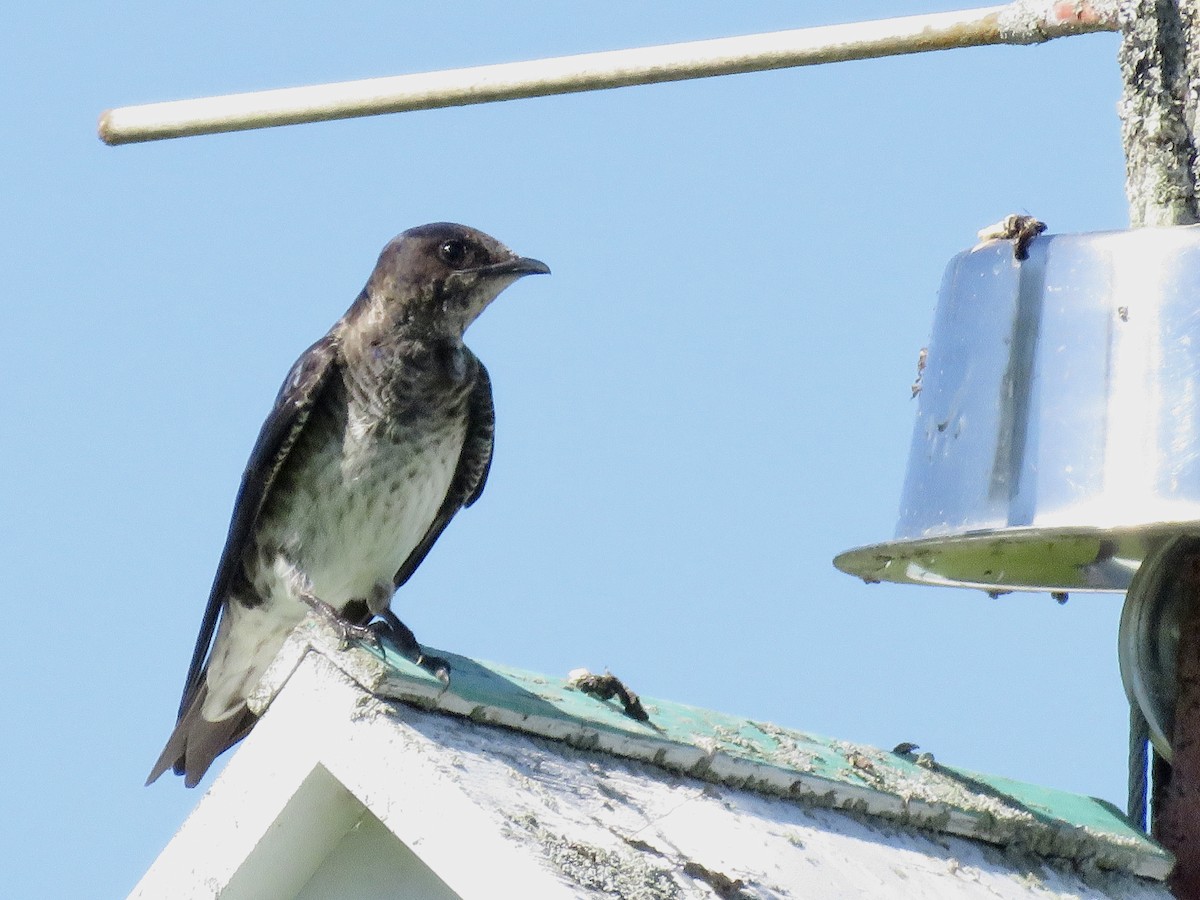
[1160,68]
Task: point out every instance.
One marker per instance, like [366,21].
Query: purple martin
[381,432]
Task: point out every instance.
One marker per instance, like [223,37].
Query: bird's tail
[196,741]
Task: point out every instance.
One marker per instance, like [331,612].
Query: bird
[382,431]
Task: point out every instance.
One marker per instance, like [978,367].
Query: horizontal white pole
[1024,22]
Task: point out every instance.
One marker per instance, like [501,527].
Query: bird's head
[434,280]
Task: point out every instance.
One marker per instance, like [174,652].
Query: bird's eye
[454,253]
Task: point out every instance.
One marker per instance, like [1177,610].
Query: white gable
[338,792]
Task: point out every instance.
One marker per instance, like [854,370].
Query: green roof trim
[761,757]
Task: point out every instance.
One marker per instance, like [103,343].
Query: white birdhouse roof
[368,778]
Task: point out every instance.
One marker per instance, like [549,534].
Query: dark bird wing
[279,432]
[469,476]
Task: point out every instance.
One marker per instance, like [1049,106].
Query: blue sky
[706,402]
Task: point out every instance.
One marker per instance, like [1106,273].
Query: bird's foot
[346,629]
[387,624]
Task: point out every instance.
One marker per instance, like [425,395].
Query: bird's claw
[388,625]
[348,632]
[345,629]
[435,666]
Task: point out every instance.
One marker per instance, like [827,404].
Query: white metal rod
[1023,22]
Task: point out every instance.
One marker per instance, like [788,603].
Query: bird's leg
[389,624]
[345,628]
[346,624]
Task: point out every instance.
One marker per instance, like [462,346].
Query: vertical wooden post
[1160,68]
[1160,64]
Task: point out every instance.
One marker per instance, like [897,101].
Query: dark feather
[471,473]
[196,742]
[278,435]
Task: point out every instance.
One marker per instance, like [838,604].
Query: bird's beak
[518,266]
